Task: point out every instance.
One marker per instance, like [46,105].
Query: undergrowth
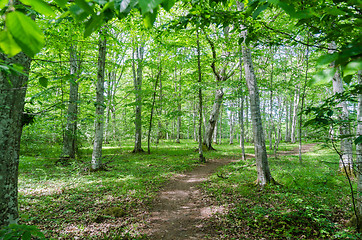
[312,201]
[68,202]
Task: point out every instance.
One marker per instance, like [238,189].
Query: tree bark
[344,129]
[153,105]
[359,157]
[137,76]
[99,118]
[264,175]
[201,155]
[12,95]
[70,133]
[295,112]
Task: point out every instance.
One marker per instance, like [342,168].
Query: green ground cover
[312,202]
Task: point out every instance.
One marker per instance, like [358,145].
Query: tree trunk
[264,175]
[220,127]
[137,76]
[287,133]
[231,123]
[295,113]
[153,105]
[12,94]
[344,129]
[70,133]
[201,155]
[359,157]
[159,130]
[99,118]
[214,115]
[242,132]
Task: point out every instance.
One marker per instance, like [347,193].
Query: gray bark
[287,133]
[344,129]
[12,94]
[137,77]
[201,155]
[264,175]
[214,115]
[359,157]
[70,133]
[99,121]
[294,116]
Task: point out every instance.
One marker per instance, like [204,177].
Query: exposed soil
[180,210]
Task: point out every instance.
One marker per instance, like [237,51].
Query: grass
[65,202]
[312,202]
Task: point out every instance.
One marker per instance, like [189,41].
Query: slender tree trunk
[287,133]
[159,130]
[12,94]
[302,104]
[247,119]
[178,134]
[295,113]
[99,121]
[242,132]
[153,105]
[194,121]
[264,175]
[137,76]
[359,157]
[231,123]
[220,134]
[344,129]
[201,155]
[271,121]
[70,133]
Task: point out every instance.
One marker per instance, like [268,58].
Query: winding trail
[180,210]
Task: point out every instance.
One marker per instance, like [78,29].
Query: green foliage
[24,232]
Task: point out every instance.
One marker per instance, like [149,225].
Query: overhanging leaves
[25,32]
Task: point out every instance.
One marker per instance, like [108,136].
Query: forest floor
[168,194]
[182,210]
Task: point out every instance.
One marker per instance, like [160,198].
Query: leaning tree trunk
[264,175]
[346,142]
[99,121]
[214,116]
[12,94]
[359,157]
[70,133]
[137,76]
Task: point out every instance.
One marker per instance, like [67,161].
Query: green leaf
[84,5]
[167,4]
[40,6]
[358,140]
[25,32]
[8,45]
[26,236]
[287,8]
[61,3]
[93,24]
[3,3]
[259,10]
[148,5]
[326,59]
[149,18]
[43,81]
[323,77]
[347,79]
[352,67]
[78,13]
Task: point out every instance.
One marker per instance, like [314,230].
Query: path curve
[180,209]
